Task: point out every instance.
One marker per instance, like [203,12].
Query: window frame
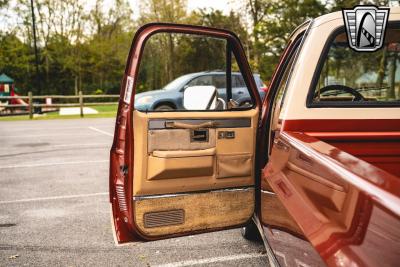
[342,104]
[233,43]
[291,51]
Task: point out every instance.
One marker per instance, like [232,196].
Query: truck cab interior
[350,79]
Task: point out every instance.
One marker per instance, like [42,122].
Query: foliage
[78,49]
[16,59]
[168,56]
[85,49]
[274,28]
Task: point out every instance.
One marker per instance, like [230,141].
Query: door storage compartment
[235,165]
[180,164]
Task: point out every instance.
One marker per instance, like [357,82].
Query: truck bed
[342,193]
[379,149]
[382,154]
[376,141]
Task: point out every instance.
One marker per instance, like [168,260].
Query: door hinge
[124,169]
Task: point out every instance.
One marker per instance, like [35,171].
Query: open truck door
[187,169]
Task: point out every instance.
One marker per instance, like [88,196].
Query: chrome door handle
[181,125]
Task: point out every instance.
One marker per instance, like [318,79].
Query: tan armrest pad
[184,153]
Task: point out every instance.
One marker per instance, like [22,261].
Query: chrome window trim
[235,189]
[268,192]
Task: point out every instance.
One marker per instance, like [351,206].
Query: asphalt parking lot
[54,207]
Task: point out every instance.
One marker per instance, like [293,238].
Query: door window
[355,78]
[188,72]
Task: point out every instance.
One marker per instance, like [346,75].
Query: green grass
[106,111]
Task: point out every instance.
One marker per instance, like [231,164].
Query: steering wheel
[338,87]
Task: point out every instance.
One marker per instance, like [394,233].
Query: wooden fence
[80,97]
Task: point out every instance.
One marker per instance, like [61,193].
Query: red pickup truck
[313,168]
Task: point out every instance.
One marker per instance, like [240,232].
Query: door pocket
[234,165]
[180,167]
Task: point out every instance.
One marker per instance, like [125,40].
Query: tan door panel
[184,153]
[177,139]
[175,169]
[177,163]
[234,165]
[244,141]
[160,216]
[179,167]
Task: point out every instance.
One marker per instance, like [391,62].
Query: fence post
[30,105]
[81,103]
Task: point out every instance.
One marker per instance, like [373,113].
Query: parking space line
[100,131]
[212,260]
[78,145]
[52,198]
[48,146]
[51,164]
[14,129]
[45,135]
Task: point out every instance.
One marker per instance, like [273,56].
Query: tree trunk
[393,67]
[381,71]
[171,57]
[76,85]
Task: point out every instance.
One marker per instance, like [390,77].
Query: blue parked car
[171,96]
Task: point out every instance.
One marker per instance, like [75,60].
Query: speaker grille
[164,218]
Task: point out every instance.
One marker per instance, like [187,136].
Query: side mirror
[200,98]
[184,88]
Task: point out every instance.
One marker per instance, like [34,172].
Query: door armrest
[184,153]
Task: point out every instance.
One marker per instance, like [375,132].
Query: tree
[281,18]
[337,5]
[79,49]
[168,56]
[86,50]
[173,11]
[16,60]
[4,3]
[259,10]
[108,46]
